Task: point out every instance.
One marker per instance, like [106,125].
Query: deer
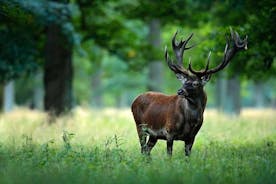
[179,117]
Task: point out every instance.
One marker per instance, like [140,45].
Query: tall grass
[101,146]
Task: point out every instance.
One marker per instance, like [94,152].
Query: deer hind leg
[188,146]
[142,138]
[150,144]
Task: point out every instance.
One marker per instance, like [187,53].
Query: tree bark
[259,94]
[8,96]
[96,84]
[234,96]
[37,98]
[122,100]
[221,88]
[58,72]
[1,96]
[273,103]
[155,66]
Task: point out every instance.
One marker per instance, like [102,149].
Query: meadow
[101,146]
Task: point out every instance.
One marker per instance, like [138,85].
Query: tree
[19,43]
[113,37]
[248,17]
[8,97]
[19,51]
[58,71]
[155,73]
[31,19]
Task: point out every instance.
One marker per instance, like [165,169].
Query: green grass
[93,146]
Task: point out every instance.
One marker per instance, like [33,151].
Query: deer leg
[169,146]
[143,139]
[151,143]
[188,146]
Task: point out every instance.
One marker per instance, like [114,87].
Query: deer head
[193,81]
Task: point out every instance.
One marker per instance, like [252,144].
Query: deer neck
[196,101]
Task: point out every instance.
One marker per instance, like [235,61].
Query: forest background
[56,55]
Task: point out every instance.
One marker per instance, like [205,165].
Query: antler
[178,49]
[229,53]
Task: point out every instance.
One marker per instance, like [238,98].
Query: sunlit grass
[101,146]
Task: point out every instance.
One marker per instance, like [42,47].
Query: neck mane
[197,100]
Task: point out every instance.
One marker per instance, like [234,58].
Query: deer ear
[181,77]
[205,79]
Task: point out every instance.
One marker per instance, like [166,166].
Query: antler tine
[174,44]
[229,53]
[180,47]
[224,63]
[202,72]
[245,41]
[208,62]
[240,44]
[167,57]
[174,67]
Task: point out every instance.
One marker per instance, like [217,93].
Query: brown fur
[168,117]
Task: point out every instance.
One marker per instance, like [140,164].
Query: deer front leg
[169,146]
[188,146]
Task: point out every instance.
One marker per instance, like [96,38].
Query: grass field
[101,146]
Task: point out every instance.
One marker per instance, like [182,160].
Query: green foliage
[115,75]
[107,150]
[254,19]
[112,37]
[22,29]
[17,45]
[262,55]
[170,12]
[19,54]
[110,30]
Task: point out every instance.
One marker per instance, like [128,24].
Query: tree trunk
[8,96]
[221,88]
[122,100]
[58,72]
[273,103]
[233,96]
[155,66]
[259,94]
[96,83]
[37,99]
[1,96]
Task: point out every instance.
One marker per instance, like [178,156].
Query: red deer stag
[179,117]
